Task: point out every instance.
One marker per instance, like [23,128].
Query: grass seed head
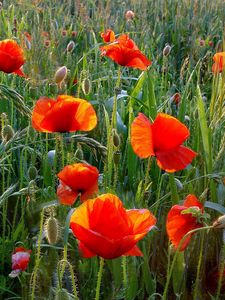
[7,133]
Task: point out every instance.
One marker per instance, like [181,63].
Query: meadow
[112,149]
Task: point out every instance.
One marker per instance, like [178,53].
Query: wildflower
[73,33]
[183,218]
[129,15]
[47,43]
[108,36]
[65,114]
[219,62]
[125,53]
[64,32]
[11,57]
[163,138]
[77,179]
[105,228]
[176,99]
[20,260]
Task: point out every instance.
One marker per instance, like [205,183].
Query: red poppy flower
[20,260]
[163,139]
[105,228]
[219,62]
[65,114]
[179,223]
[11,57]
[108,36]
[77,179]
[125,53]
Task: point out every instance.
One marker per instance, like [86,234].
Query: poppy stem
[196,288]
[173,187]
[124,266]
[97,294]
[176,254]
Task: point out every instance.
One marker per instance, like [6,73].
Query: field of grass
[193,31]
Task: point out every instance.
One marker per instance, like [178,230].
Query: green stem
[124,266]
[97,294]
[38,254]
[196,290]
[173,187]
[221,274]
[175,256]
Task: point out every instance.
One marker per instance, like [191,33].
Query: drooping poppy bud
[70,46]
[166,50]
[60,75]
[7,133]
[129,15]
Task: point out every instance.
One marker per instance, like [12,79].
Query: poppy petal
[138,60]
[177,225]
[141,136]
[41,108]
[66,195]
[168,133]
[20,73]
[176,159]
[142,220]
[192,200]
[85,252]
[135,251]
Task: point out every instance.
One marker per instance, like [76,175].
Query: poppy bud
[201,42]
[79,154]
[47,43]
[116,138]
[178,184]
[62,295]
[7,133]
[70,46]
[116,157]
[210,43]
[32,173]
[220,222]
[52,230]
[166,50]
[86,86]
[129,15]
[60,74]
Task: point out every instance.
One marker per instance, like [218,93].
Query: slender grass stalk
[173,187]
[38,257]
[124,267]
[99,279]
[196,289]
[221,275]
[175,257]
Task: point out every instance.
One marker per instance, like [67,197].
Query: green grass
[25,203]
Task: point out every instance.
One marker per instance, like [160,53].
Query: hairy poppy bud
[220,222]
[52,230]
[116,157]
[62,295]
[129,15]
[47,43]
[32,173]
[7,133]
[86,86]
[166,50]
[116,138]
[60,74]
[70,46]
[64,32]
[175,98]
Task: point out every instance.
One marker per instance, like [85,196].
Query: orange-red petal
[108,36]
[11,56]
[106,229]
[66,195]
[141,136]
[79,178]
[219,59]
[135,251]
[66,114]
[192,200]
[176,159]
[168,132]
